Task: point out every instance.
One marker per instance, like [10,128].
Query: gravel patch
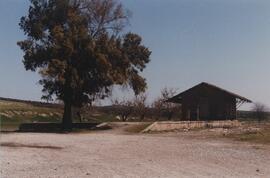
[107,154]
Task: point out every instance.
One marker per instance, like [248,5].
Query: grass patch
[262,136]
[45,119]
[9,124]
[103,118]
[137,128]
[13,123]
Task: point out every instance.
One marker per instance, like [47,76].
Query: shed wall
[208,104]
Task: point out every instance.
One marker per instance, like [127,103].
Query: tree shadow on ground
[19,145]
[57,127]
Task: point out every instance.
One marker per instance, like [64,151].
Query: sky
[223,42]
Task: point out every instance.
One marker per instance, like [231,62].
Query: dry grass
[19,106]
[262,136]
[137,128]
[253,132]
[13,113]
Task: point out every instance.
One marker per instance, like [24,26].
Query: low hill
[14,112]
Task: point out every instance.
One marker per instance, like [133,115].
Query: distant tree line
[34,103]
[137,108]
[258,112]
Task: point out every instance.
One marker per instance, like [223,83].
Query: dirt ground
[117,154]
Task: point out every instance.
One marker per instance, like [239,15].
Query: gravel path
[106,154]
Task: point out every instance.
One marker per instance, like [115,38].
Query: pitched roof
[177,98]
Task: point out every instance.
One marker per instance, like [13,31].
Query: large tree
[79,48]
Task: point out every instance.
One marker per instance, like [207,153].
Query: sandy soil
[115,154]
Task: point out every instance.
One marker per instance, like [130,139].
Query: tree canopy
[80,51]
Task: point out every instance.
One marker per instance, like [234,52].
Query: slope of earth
[14,112]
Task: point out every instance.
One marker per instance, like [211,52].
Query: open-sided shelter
[208,102]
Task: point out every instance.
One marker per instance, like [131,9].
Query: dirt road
[108,154]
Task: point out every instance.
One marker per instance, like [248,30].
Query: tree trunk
[67,116]
[170,116]
[142,117]
[67,119]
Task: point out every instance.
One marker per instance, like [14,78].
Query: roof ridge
[213,86]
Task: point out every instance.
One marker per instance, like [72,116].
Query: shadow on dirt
[57,127]
[19,145]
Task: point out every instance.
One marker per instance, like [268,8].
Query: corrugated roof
[177,98]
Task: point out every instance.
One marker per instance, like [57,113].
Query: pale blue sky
[223,42]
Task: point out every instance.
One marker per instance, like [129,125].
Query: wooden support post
[198,113]
[188,115]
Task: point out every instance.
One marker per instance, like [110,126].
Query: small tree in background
[157,107]
[161,107]
[140,106]
[260,111]
[123,108]
[170,109]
